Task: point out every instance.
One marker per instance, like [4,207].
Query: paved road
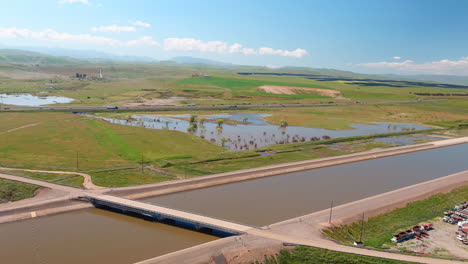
[213,107]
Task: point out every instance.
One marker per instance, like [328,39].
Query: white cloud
[459,67]
[298,53]
[113,28]
[54,36]
[143,41]
[396,57]
[140,24]
[86,2]
[189,44]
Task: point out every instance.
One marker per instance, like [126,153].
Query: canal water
[97,236]
[91,236]
[269,200]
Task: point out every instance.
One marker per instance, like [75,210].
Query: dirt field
[442,241]
[293,90]
[150,102]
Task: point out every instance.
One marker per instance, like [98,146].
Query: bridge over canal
[164,214]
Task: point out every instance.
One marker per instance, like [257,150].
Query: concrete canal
[268,200]
[98,236]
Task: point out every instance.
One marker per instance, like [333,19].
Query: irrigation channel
[97,236]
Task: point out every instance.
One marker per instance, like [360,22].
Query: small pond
[244,131]
[32,100]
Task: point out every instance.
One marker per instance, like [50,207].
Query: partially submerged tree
[220,122]
[283,123]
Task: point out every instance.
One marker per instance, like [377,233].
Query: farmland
[116,155]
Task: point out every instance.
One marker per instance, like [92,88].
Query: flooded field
[268,200]
[32,100]
[91,236]
[244,131]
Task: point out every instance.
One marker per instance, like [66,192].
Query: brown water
[91,236]
[97,236]
[273,199]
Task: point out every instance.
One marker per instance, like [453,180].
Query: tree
[193,118]
[220,122]
[223,141]
[283,123]
[244,119]
[202,120]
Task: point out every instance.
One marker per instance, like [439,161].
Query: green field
[65,179]
[110,153]
[308,255]
[380,229]
[124,83]
[11,191]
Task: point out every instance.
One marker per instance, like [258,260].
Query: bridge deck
[173,214]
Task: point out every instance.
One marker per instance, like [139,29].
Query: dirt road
[87,183]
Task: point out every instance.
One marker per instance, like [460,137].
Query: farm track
[87,183]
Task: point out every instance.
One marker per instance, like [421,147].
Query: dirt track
[87,183]
[293,90]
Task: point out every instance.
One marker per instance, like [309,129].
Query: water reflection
[246,131]
[32,100]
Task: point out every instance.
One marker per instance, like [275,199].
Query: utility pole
[142,172]
[362,228]
[77,162]
[331,210]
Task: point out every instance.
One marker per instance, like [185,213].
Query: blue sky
[372,36]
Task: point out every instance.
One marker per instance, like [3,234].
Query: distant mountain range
[30,57]
[40,55]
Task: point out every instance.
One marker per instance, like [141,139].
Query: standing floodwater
[244,131]
[32,100]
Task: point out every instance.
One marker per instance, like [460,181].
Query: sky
[368,36]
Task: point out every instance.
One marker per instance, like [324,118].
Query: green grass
[309,255]
[65,179]
[11,191]
[380,229]
[61,139]
[127,177]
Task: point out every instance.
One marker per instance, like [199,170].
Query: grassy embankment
[379,230]
[308,255]
[65,179]
[11,191]
[111,154]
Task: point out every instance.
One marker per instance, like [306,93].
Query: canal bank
[165,188]
[306,230]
